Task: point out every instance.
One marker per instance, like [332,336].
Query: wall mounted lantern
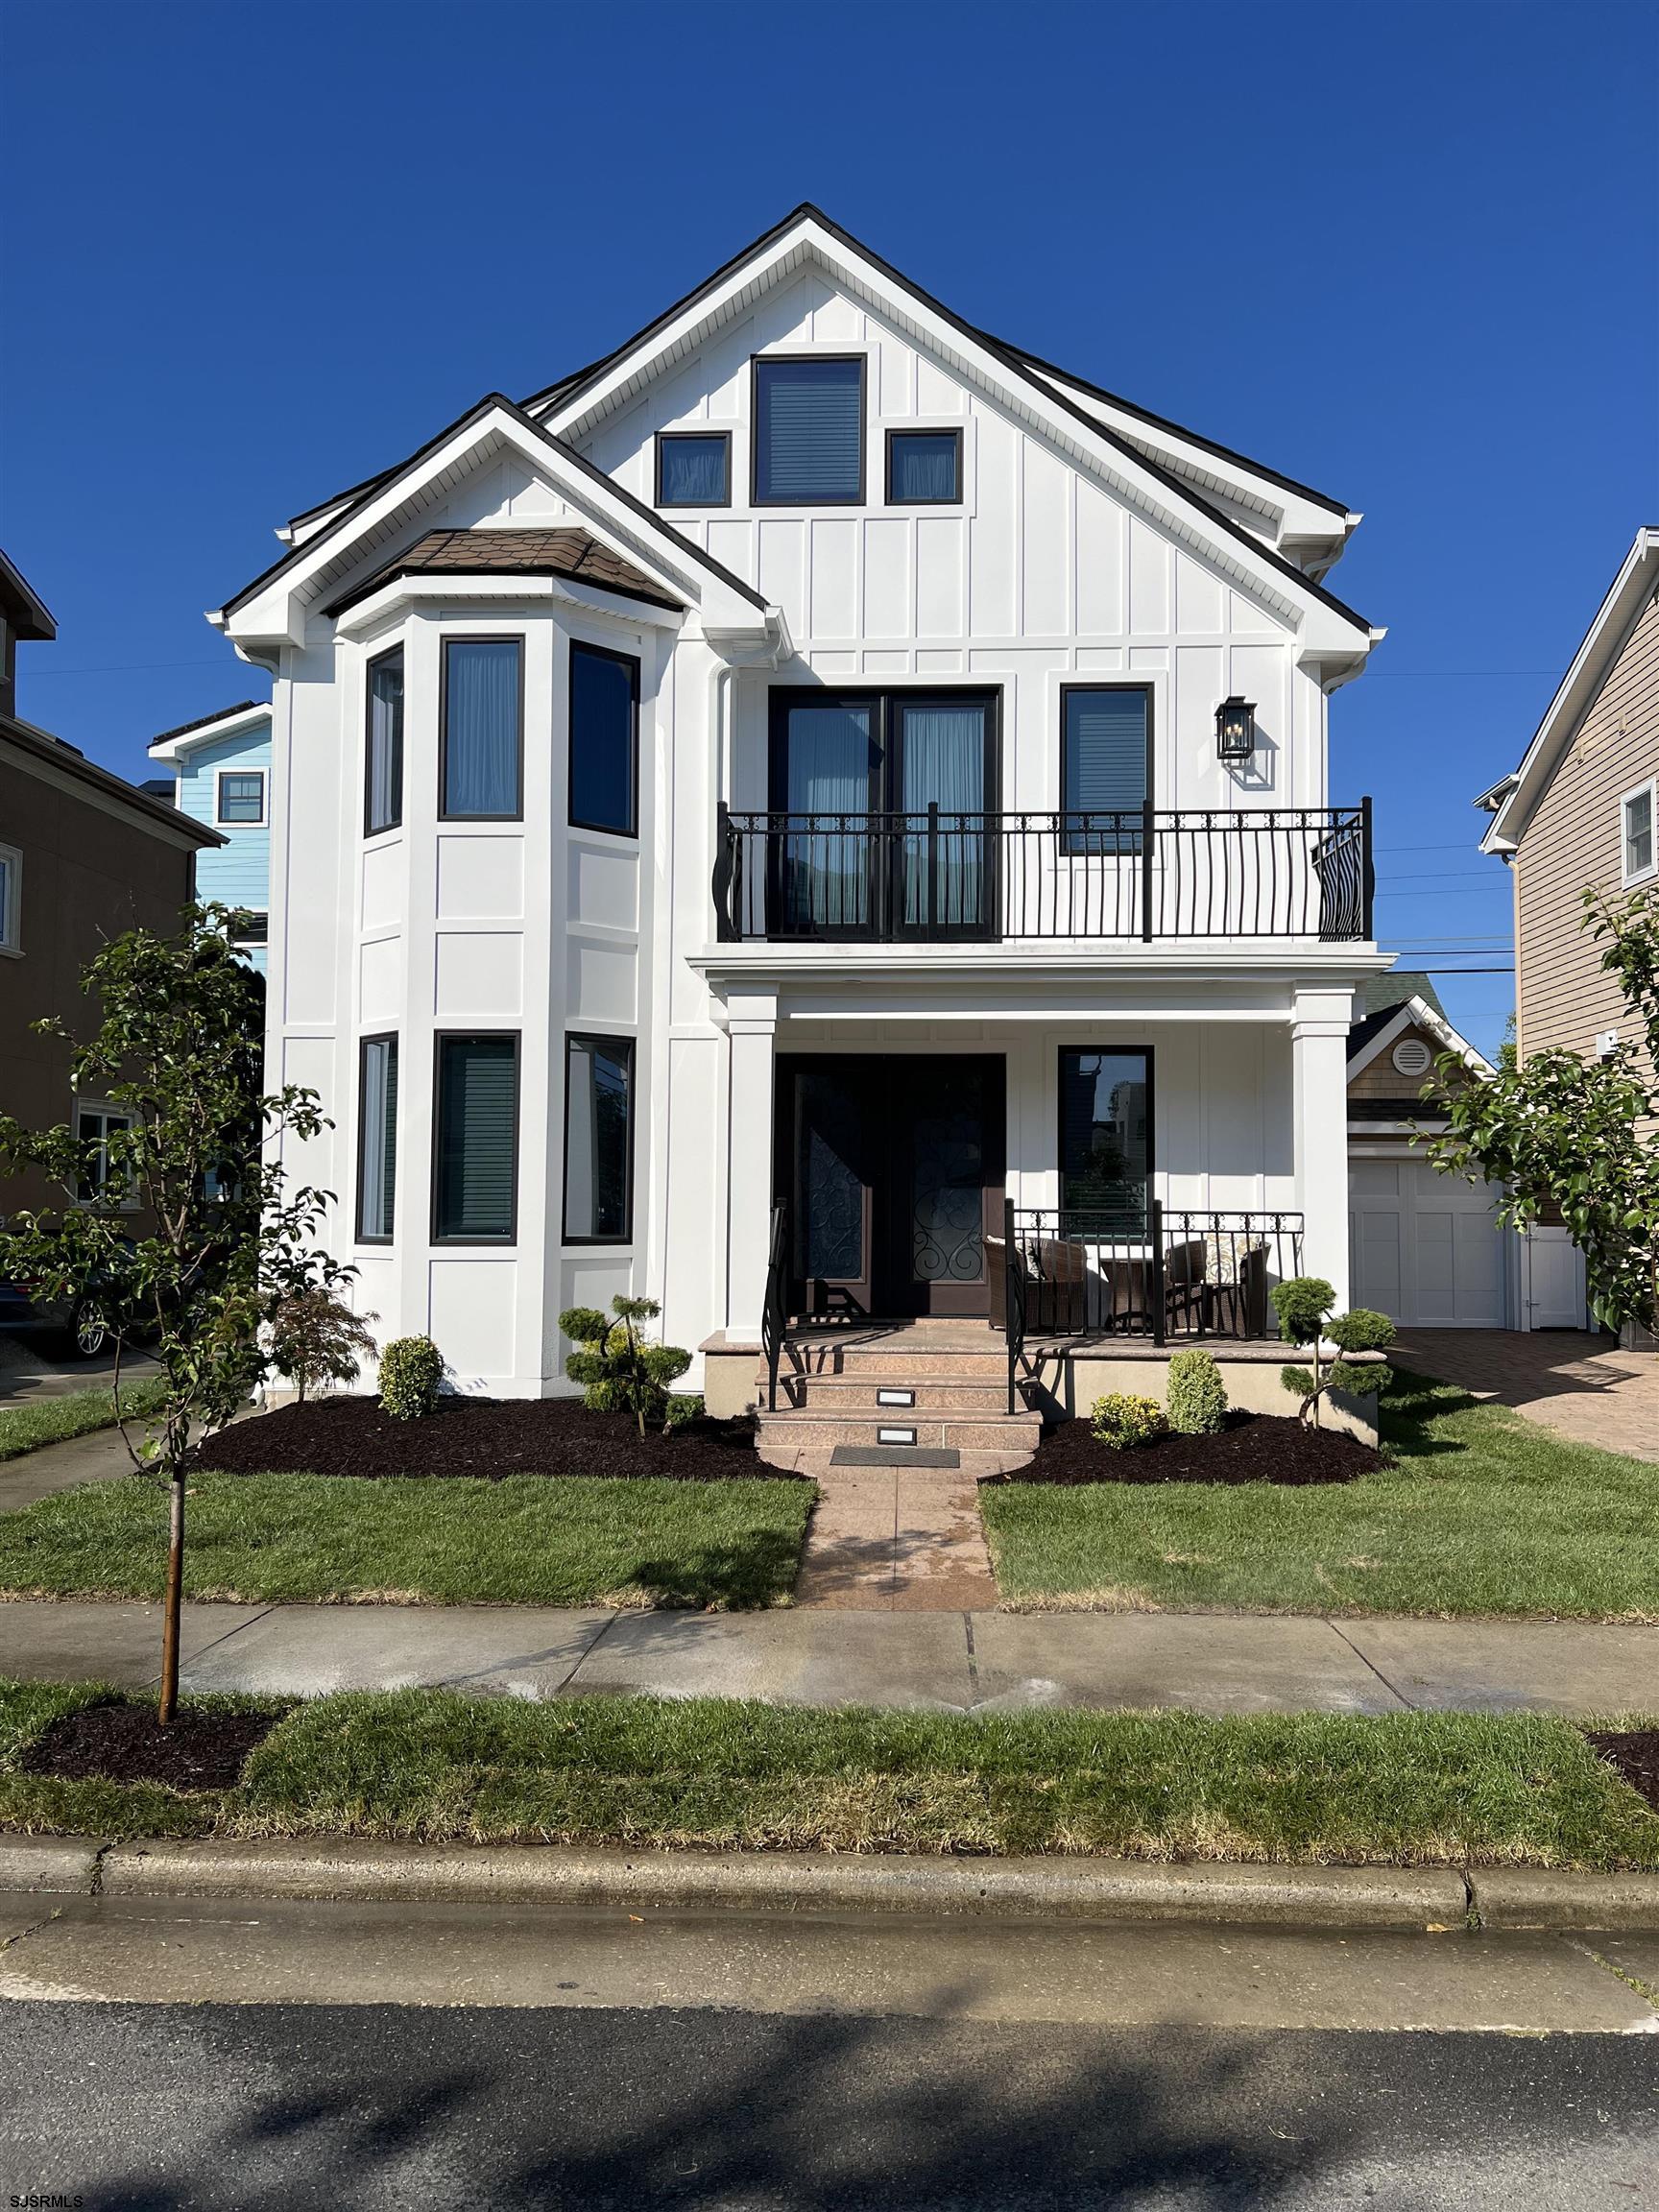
[1234,728]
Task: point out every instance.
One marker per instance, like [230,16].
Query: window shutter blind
[477,1111]
[1105,751]
[810,430]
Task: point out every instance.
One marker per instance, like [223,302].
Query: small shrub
[411,1374]
[1197,1395]
[618,1370]
[317,1338]
[683,1406]
[1125,1422]
[1303,1307]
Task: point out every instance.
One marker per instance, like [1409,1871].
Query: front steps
[928,1386]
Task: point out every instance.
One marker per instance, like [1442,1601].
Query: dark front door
[894,1172]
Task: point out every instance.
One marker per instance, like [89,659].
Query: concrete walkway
[962,1661]
[1581,1385]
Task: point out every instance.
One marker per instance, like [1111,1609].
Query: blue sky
[1408,253]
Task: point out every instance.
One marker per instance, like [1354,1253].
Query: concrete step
[922,1393]
[897,1360]
[967,1432]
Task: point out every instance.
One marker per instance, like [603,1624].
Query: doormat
[893,1455]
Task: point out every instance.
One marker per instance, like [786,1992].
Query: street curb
[1098,1890]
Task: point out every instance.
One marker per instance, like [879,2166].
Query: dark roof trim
[242,707]
[1010,360]
[1177,429]
[492,400]
[37,626]
[155,811]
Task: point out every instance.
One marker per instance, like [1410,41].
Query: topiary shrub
[1197,1395]
[1303,1307]
[619,1372]
[1126,1421]
[411,1376]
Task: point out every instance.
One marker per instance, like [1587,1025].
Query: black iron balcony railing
[1140,873]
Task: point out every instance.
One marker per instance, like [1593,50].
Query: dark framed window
[241,800]
[598,1140]
[694,468]
[383,745]
[1105,765]
[923,468]
[481,730]
[604,740]
[475,1139]
[808,418]
[376,1139]
[1106,1136]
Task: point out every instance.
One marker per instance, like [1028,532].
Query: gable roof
[483,552]
[1513,799]
[1387,1025]
[168,744]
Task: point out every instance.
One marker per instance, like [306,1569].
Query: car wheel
[90,1331]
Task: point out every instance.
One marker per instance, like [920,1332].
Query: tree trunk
[169,1700]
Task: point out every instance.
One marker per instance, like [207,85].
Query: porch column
[752,1025]
[1320,1021]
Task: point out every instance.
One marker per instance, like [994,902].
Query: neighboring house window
[241,803]
[923,468]
[376,1139]
[694,468]
[481,775]
[1105,1138]
[604,740]
[810,431]
[11,899]
[1636,818]
[598,1140]
[256,928]
[475,1163]
[94,1126]
[1106,766]
[383,771]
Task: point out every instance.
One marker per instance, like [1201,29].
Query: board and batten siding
[1574,840]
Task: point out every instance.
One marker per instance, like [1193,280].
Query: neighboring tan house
[221,776]
[1429,1250]
[776,812]
[1583,811]
[83,856]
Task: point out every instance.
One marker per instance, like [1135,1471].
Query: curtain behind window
[481,726]
[941,763]
[829,762]
[384,809]
[694,472]
[924,467]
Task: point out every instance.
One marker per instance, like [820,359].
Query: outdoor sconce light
[1234,728]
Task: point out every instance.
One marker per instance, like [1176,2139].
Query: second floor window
[11,899]
[1105,766]
[810,431]
[481,740]
[604,740]
[383,772]
[241,797]
[1636,817]
[100,1184]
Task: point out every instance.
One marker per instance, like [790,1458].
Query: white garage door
[1427,1249]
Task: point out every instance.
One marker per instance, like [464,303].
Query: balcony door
[881,825]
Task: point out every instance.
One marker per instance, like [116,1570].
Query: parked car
[85,1323]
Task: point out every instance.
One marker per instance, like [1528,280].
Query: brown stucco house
[1583,811]
[84,856]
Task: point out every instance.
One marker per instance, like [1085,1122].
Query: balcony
[1083,878]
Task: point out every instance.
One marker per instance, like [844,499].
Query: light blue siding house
[221,776]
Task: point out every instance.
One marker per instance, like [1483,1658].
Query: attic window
[810,430]
[694,468]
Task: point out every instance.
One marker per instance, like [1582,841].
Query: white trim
[1417,1013]
[1650,792]
[11,913]
[219,820]
[228,725]
[126,1116]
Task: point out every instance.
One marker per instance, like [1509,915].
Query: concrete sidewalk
[965,1662]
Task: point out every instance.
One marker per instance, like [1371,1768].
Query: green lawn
[1415,1787]
[50,1420]
[1480,1513]
[527,1540]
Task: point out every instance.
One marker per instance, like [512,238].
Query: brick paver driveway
[1580,1385]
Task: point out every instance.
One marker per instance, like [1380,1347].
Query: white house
[820,789]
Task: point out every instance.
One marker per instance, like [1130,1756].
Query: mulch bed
[121,1743]
[1252,1448]
[482,1438]
[1635,1752]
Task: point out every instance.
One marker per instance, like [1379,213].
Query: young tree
[218,1244]
[1306,1306]
[1566,1132]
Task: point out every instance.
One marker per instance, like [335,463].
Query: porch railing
[1138,873]
[775,1311]
[1180,1275]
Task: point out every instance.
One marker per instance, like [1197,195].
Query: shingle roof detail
[567,552]
[218,714]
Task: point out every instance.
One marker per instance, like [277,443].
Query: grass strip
[1415,1789]
[526,1540]
[1480,1512]
[54,1420]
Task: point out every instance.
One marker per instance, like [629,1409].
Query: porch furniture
[1239,1307]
